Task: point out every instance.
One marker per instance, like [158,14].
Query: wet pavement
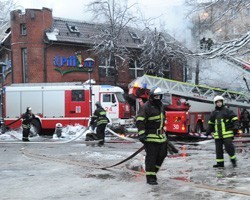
[72,171]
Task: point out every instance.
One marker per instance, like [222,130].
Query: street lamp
[2,69]
[89,65]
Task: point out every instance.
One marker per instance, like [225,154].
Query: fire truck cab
[65,103]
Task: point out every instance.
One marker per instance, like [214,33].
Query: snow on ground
[75,171]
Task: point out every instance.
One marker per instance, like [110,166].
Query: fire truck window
[78,95]
[106,98]
[167,99]
[113,98]
[120,97]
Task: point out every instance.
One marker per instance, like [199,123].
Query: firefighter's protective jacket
[99,117]
[223,122]
[27,118]
[150,121]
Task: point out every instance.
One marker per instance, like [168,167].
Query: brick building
[43,48]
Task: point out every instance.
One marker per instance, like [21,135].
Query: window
[78,95]
[23,29]
[24,65]
[134,35]
[248,11]
[166,70]
[134,69]
[106,67]
[120,97]
[167,99]
[73,28]
[109,98]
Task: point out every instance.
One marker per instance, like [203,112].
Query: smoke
[170,16]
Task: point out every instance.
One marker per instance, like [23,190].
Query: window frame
[23,29]
[75,95]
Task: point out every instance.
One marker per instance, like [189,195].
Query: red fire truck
[188,106]
[65,103]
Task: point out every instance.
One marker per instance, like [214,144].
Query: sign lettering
[73,63]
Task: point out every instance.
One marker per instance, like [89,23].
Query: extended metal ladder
[241,64]
[191,91]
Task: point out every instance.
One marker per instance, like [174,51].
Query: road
[72,171]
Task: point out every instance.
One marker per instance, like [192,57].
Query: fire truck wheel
[199,127]
[35,128]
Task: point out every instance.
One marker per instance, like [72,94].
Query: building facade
[42,48]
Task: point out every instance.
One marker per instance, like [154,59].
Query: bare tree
[115,16]
[224,19]
[6,6]
[226,24]
[159,50]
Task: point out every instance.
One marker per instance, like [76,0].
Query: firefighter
[224,123]
[26,123]
[100,119]
[245,119]
[150,121]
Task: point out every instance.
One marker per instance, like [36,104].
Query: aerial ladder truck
[188,106]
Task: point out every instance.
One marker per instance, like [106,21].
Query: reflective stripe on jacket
[150,121]
[99,117]
[222,122]
[27,119]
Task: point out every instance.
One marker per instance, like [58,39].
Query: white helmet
[58,125]
[218,98]
[28,109]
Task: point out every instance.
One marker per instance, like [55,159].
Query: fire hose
[77,163]
[171,148]
[122,137]
[12,122]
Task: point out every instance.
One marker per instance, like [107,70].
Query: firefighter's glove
[142,138]
[235,132]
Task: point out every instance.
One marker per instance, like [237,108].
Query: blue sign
[89,64]
[71,61]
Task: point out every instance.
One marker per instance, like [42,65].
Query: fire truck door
[77,105]
[110,103]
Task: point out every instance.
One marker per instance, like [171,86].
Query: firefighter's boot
[219,164]
[101,143]
[234,163]
[151,180]
[25,139]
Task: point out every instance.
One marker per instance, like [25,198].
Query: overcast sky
[76,7]
[170,12]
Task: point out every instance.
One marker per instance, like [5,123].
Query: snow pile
[68,133]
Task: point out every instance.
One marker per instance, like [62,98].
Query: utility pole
[89,65]
[2,68]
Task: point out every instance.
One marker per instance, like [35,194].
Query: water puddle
[100,176]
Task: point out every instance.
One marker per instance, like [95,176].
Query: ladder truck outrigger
[188,106]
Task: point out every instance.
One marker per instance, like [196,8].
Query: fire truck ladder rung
[193,92]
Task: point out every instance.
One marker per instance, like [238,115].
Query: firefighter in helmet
[26,123]
[224,123]
[100,119]
[150,122]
